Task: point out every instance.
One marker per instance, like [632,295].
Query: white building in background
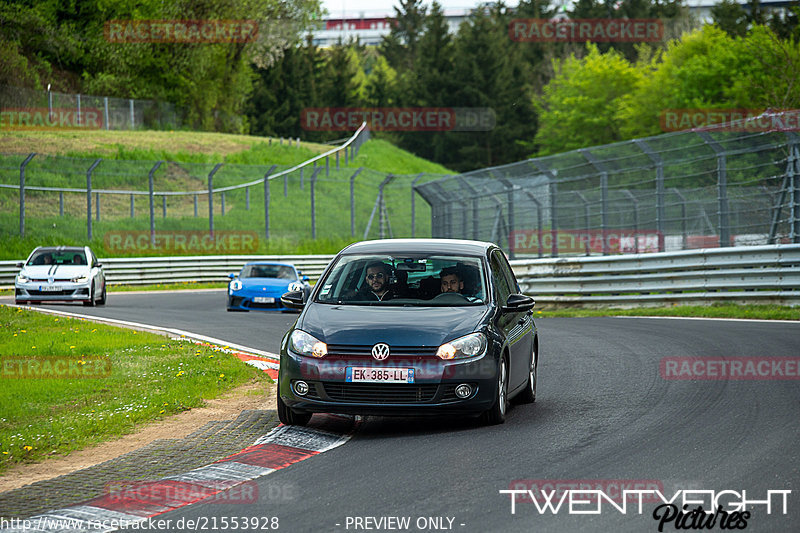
[370,27]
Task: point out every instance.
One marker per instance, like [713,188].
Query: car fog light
[301,387]
[463,391]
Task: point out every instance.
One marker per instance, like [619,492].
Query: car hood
[398,326]
[57,271]
[249,283]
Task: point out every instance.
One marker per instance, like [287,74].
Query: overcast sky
[384,7]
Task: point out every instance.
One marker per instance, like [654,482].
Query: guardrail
[155,270]
[749,274]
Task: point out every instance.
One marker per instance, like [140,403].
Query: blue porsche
[259,286]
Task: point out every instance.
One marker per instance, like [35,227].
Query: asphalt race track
[604,415]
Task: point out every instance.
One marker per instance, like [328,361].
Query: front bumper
[432,393]
[67,292]
[246,302]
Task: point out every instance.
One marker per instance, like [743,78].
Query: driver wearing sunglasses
[376,283]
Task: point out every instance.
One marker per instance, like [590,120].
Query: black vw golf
[410,327]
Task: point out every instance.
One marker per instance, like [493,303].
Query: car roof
[60,249]
[443,246]
[272,263]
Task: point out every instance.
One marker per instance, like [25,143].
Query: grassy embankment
[131,378]
[128,157]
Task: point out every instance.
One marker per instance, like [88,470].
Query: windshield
[268,271]
[408,280]
[58,257]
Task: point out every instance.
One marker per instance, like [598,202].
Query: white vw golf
[58,274]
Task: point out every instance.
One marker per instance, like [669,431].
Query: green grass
[762,312]
[126,167]
[151,378]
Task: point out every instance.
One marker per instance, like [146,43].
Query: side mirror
[517,303]
[305,278]
[293,300]
[98,265]
[232,276]
[20,265]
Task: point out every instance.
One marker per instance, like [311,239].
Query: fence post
[587,215]
[132,114]
[223,204]
[510,194]
[635,202]
[105,111]
[78,117]
[22,193]
[89,198]
[195,206]
[211,199]
[353,202]
[413,204]
[132,215]
[337,160]
[601,168]
[97,207]
[313,210]
[661,211]
[164,206]
[722,189]
[795,230]
[152,207]
[247,198]
[684,232]
[327,167]
[302,183]
[266,201]
[61,203]
[553,190]
[538,204]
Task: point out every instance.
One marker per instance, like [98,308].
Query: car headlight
[295,286]
[235,285]
[80,279]
[22,278]
[305,344]
[471,345]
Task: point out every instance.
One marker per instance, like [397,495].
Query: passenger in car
[452,280]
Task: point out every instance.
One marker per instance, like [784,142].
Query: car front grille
[384,393]
[69,292]
[366,350]
[254,305]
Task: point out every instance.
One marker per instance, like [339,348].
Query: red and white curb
[281,447]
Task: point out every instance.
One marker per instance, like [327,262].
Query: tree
[400,46]
[578,107]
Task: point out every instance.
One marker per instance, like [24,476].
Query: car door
[517,326]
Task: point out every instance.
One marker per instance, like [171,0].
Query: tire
[497,413]
[90,301]
[529,394]
[289,417]
[103,296]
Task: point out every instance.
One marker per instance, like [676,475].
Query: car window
[268,271]
[58,257]
[499,278]
[408,280]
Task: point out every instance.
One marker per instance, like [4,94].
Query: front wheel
[497,413]
[289,417]
[90,301]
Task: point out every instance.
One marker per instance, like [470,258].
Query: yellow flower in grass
[55,320]
[5,453]
[72,347]
[161,412]
[95,329]
[222,375]
[179,374]
[33,347]
[27,448]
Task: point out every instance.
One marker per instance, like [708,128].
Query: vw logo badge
[380,351]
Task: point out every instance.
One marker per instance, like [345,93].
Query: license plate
[357,374]
[264,300]
[49,288]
